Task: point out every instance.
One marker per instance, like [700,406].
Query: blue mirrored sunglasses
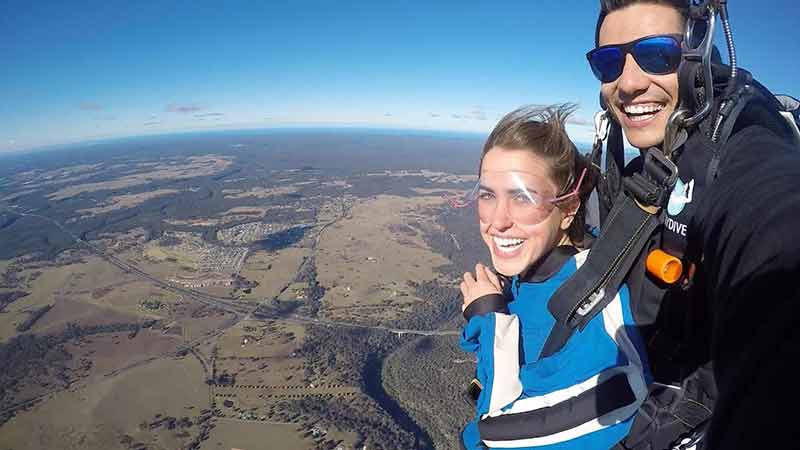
[656,55]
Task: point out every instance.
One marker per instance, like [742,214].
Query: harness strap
[610,183]
[674,416]
[607,397]
[732,107]
[728,113]
[627,230]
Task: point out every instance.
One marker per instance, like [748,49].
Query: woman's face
[516,246]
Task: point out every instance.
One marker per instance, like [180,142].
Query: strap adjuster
[654,184]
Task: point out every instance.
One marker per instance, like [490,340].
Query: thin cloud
[478,115]
[184,109]
[581,121]
[536,105]
[209,114]
[475,114]
[91,106]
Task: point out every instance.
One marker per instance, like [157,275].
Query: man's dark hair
[609,6]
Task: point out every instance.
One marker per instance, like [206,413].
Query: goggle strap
[574,192]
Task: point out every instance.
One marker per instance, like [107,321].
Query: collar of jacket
[549,265]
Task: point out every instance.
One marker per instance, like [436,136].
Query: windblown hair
[609,6]
[541,130]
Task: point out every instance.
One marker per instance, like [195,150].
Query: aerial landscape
[229,290]
[243,225]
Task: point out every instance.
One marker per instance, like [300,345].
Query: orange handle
[664,266]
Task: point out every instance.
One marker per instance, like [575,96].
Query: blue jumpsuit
[583,397]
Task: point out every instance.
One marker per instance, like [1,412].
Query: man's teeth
[643,109]
[507,244]
[638,113]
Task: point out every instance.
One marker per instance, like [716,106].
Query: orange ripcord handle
[664,266]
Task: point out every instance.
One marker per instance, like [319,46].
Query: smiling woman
[528,191]
[531,197]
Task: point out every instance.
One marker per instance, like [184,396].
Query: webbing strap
[627,229]
[610,184]
[731,108]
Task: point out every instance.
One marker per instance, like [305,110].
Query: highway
[332,323]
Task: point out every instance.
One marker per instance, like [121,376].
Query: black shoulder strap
[726,119]
[610,184]
[748,91]
[626,231]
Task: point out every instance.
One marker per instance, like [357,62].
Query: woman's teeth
[638,113]
[507,244]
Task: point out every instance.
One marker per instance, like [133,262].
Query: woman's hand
[483,283]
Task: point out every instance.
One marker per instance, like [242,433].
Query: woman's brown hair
[542,131]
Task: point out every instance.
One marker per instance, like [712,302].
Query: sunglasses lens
[606,63]
[658,55]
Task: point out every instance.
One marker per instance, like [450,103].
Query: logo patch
[680,197]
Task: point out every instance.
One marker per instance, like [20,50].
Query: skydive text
[676,227]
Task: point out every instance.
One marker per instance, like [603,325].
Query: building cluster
[216,265]
[249,232]
[223,260]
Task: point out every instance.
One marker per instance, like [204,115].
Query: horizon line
[432,132]
[92,141]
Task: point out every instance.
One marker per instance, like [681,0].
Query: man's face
[641,102]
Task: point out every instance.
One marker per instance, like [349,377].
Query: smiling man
[641,100]
[731,218]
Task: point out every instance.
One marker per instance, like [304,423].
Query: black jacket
[749,232]
[742,307]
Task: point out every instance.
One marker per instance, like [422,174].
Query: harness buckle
[660,168]
[590,302]
[652,187]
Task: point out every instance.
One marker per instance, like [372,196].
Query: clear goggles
[523,197]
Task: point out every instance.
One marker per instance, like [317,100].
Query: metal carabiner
[601,126]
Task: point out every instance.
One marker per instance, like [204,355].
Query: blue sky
[75,71]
